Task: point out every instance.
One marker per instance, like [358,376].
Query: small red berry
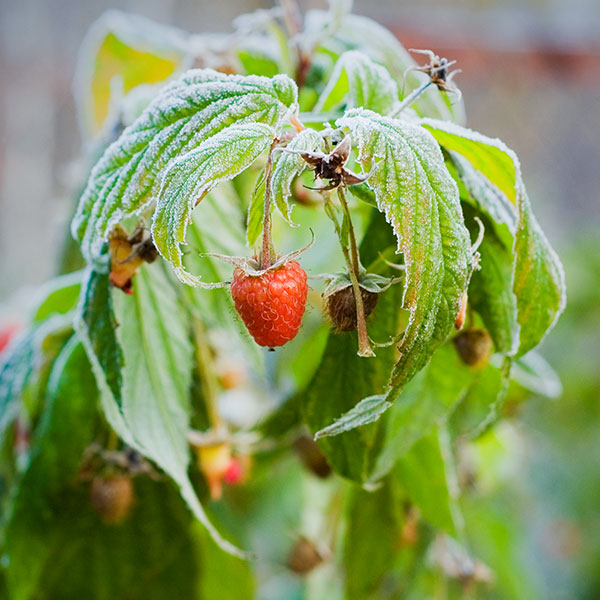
[271,304]
[234,473]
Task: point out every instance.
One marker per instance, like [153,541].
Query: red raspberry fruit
[272,304]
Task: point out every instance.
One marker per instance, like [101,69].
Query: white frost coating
[420,200]
[190,177]
[288,165]
[361,82]
[189,111]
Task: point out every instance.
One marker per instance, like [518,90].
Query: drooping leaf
[366,411]
[427,474]
[189,178]
[425,402]
[120,52]
[491,294]
[357,81]
[538,277]
[56,452]
[371,544]
[96,323]
[420,200]
[21,364]
[200,104]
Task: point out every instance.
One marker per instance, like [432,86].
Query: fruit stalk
[353,263]
[265,261]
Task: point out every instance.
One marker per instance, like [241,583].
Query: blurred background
[531,76]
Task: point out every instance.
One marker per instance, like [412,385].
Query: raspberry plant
[229,150]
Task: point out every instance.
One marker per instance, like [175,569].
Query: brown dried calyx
[474,347]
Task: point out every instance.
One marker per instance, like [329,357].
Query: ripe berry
[112,497]
[341,307]
[474,347]
[271,304]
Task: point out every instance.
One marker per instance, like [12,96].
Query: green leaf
[381,46]
[366,411]
[491,295]
[289,165]
[150,556]
[359,82]
[535,374]
[149,364]
[120,52]
[425,402]
[158,354]
[256,210]
[96,324]
[190,177]
[538,277]
[420,200]
[21,365]
[373,534]
[189,111]
[64,432]
[427,474]
[58,296]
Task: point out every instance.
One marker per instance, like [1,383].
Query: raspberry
[271,304]
[341,307]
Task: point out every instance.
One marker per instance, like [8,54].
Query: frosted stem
[364,345]
[265,261]
[409,99]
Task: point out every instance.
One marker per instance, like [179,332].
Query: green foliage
[153,365]
[420,200]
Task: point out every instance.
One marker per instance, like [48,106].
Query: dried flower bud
[341,307]
[304,556]
[112,497]
[312,457]
[474,347]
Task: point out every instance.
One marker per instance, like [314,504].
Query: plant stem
[409,99]
[353,263]
[353,246]
[204,361]
[265,261]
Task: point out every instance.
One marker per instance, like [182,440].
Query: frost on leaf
[538,277]
[190,110]
[191,176]
[359,82]
[420,200]
[289,164]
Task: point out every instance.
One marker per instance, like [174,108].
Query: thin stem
[409,99]
[265,261]
[352,262]
[204,361]
[353,246]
